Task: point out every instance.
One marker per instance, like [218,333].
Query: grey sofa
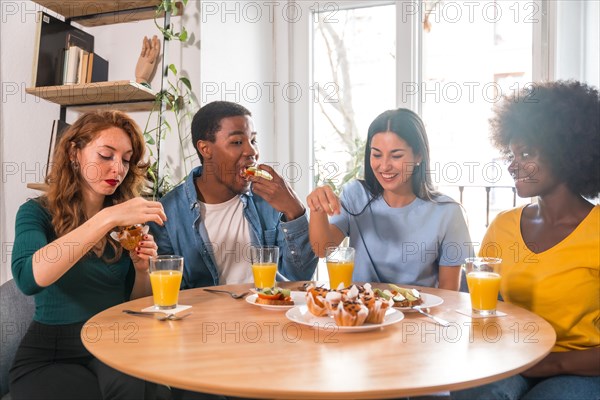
[16,313]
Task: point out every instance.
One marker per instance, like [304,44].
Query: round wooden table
[234,348]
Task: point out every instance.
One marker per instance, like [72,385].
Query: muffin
[350,293]
[315,300]
[332,299]
[377,307]
[350,313]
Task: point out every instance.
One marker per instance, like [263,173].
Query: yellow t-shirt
[561,284]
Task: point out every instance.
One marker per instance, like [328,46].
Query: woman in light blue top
[402,229]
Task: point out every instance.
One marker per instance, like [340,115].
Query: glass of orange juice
[165,278]
[264,261]
[483,279]
[340,266]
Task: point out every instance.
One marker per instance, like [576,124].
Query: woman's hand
[322,203]
[574,362]
[145,249]
[140,257]
[322,199]
[134,211]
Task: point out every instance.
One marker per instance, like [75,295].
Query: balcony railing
[488,190]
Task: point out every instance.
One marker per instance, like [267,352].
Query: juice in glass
[264,260]
[340,272]
[483,287]
[165,287]
[264,275]
[166,272]
[340,265]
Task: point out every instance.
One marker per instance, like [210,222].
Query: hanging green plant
[171,7]
[174,97]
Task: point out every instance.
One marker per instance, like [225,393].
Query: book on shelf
[54,37]
[99,68]
[90,64]
[59,127]
[72,55]
[83,67]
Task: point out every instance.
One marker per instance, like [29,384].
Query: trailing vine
[175,96]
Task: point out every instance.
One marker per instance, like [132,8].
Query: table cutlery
[439,320]
[159,315]
[305,285]
[233,295]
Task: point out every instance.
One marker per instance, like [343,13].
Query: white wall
[237,61]
[26,120]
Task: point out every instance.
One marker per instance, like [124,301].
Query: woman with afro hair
[550,248]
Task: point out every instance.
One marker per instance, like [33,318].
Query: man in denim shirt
[219,211]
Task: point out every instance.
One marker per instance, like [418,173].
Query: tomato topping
[275,296]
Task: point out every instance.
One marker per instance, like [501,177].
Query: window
[354,80]
[473,54]
[448,60]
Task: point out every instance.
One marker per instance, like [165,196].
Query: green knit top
[89,287]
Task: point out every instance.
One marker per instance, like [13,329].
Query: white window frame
[294,63]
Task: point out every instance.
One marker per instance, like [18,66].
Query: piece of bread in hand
[130,236]
[258,172]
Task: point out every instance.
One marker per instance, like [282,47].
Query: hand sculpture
[146,64]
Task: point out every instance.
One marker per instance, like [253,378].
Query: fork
[439,320]
[233,295]
[160,315]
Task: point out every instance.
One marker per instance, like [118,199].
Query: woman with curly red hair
[64,257]
[551,248]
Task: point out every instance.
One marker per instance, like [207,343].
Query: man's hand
[146,64]
[277,193]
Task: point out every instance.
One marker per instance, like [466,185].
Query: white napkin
[470,313]
[175,310]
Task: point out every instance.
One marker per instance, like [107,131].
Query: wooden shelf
[103,12]
[98,93]
[38,186]
[125,107]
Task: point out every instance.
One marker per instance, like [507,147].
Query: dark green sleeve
[32,231]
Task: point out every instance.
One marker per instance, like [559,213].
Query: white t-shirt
[229,236]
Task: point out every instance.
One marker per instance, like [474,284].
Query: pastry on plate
[315,300]
[350,313]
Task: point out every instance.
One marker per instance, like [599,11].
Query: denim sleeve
[161,237]
[30,236]
[298,259]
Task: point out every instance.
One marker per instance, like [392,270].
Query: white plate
[429,300]
[302,316]
[298,297]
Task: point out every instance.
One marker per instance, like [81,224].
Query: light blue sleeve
[456,244]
